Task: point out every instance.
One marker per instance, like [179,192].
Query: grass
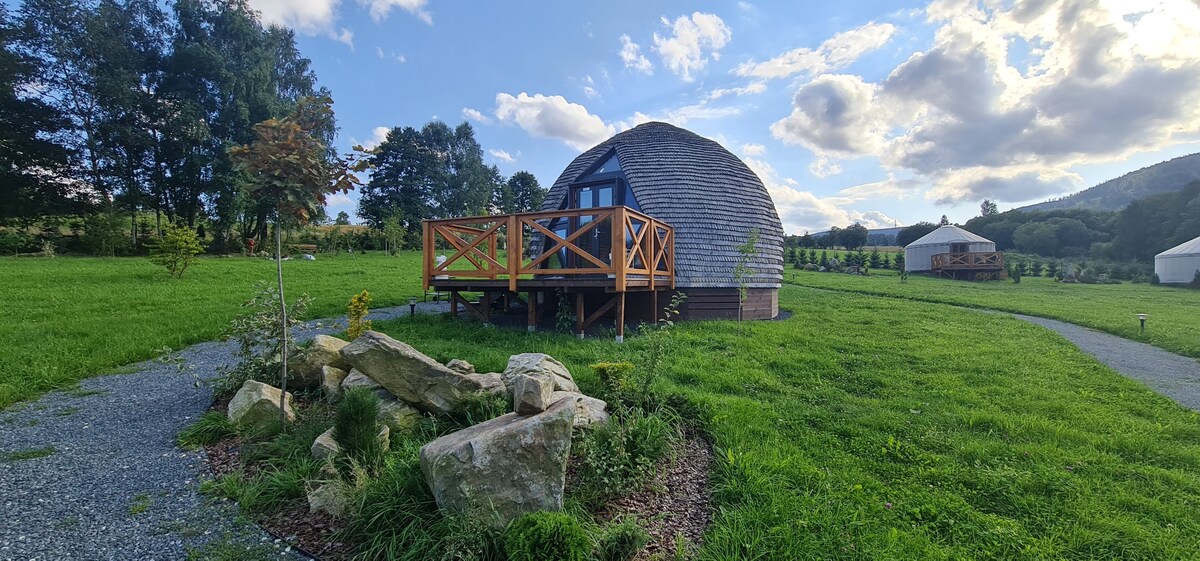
[1174,312]
[869,428]
[28,454]
[141,503]
[72,317]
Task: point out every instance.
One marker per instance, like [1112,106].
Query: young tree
[176,250]
[887,261]
[824,259]
[343,219]
[876,259]
[900,261]
[812,255]
[742,272]
[289,164]
[944,221]
[988,208]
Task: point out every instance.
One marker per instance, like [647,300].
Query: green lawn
[1174,322]
[71,317]
[876,428]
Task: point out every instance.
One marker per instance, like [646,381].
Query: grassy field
[1174,322]
[869,428]
[68,318]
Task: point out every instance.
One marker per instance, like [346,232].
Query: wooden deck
[607,251]
[988,265]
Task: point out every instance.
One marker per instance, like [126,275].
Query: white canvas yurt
[918,256]
[1178,264]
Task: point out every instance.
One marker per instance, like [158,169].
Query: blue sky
[871,111]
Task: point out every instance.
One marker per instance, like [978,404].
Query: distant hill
[875,236]
[1115,194]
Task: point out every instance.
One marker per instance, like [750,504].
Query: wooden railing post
[515,245]
[652,233]
[427,249]
[618,229]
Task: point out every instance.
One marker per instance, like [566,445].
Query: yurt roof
[706,193]
[1185,249]
[948,234]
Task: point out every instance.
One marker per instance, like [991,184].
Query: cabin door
[598,241]
[960,248]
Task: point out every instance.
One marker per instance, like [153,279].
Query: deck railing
[989,260]
[642,247]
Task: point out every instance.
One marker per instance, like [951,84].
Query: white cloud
[378,135]
[502,155]
[590,92]
[1093,82]
[380,8]
[345,36]
[310,16]
[802,211]
[753,149]
[836,52]
[476,115]
[631,55]
[748,89]
[553,117]
[398,57]
[691,42]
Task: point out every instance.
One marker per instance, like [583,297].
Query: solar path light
[1142,319]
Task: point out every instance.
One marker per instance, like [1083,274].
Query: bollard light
[1142,319]
[412,306]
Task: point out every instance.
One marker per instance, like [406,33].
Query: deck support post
[453,304]
[531,308]
[620,317]
[654,307]
[579,317]
[485,308]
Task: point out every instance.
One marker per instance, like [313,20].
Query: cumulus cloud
[748,89]
[380,8]
[753,149]
[836,52]
[631,55]
[378,135]
[475,115]
[1100,81]
[502,155]
[553,117]
[691,42]
[390,55]
[802,211]
[311,17]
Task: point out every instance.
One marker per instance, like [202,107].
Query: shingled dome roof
[705,192]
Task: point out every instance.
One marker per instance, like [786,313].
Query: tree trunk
[283,335]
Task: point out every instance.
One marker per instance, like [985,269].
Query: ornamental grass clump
[356,431]
[547,536]
[621,541]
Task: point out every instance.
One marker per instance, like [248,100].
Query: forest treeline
[117,116]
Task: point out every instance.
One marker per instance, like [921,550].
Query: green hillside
[1115,194]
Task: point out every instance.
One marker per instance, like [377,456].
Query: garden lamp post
[1142,319]
[412,306]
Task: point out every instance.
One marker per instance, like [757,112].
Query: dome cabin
[953,252]
[1180,264]
[651,211]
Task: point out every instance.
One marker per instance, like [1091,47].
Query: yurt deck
[980,265]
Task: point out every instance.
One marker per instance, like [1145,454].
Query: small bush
[1195,280]
[547,536]
[478,407]
[356,430]
[616,376]
[259,340]
[356,314]
[211,427]
[621,541]
[1154,279]
[620,456]
[176,250]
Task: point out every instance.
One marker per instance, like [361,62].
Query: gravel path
[1172,375]
[110,482]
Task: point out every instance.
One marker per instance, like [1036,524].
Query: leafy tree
[521,193]
[807,241]
[176,250]
[854,237]
[343,219]
[912,233]
[289,163]
[988,208]
[944,221]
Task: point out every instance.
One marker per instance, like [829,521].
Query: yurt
[1179,264]
[954,252]
[710,197]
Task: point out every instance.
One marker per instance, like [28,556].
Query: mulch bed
[677,501]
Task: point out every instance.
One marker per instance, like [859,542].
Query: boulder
[811,267]
[331,497]
[461,366]
[357,379]
[305,366]
[531,393]
[490,382]
[331,381]
[257,403]
[502,468]
[325,447]
[589,411]
[532,363]
[409,374]
[400,417]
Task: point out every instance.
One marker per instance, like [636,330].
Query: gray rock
[502,468]
[305,366]
[332,497]
[589,411]
[357,379]
[400,417]
[490,382]
[533,363]
[257,403]
[325,447]
[331,382]
[531,393]
[461,366]
[408,374]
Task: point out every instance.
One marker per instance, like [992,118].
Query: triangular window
[611,165]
